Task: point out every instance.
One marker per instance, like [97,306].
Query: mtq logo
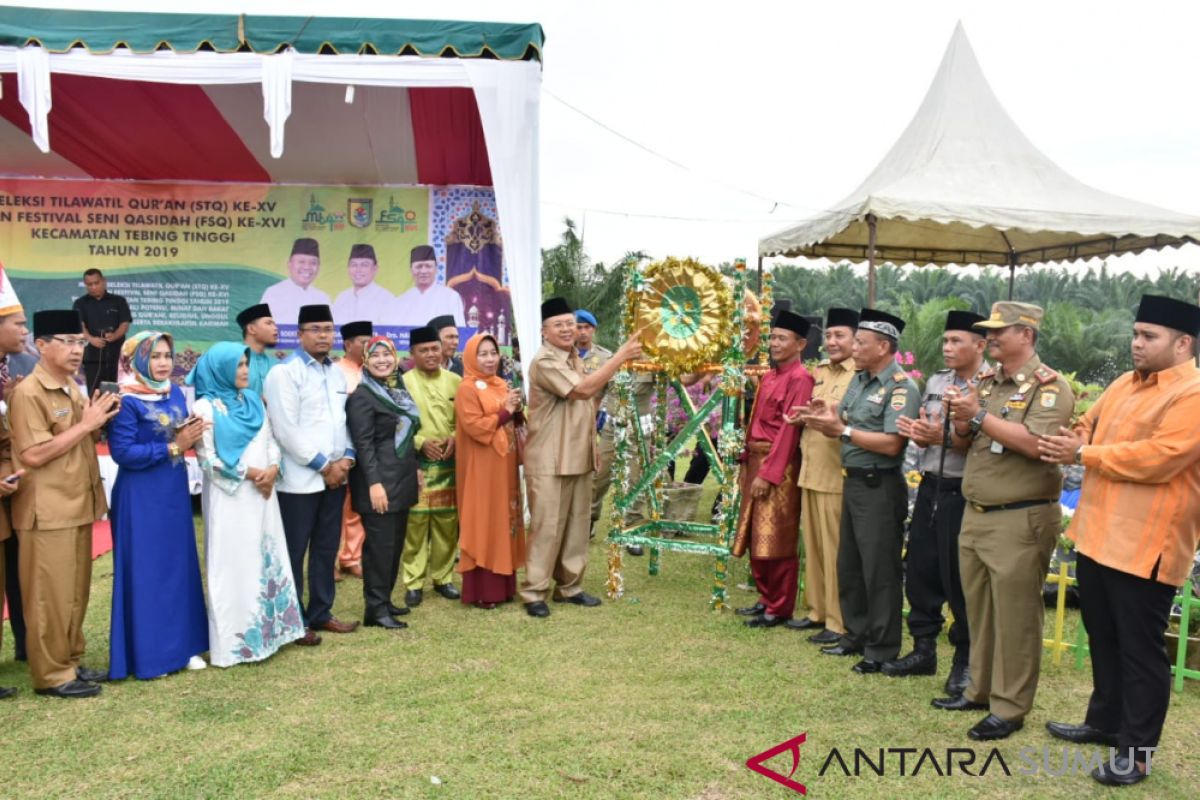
[910,761]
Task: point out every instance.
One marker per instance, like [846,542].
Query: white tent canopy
[963,185]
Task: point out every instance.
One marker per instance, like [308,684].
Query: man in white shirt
[427,298]
[306,403]
[287,296]
[365,300]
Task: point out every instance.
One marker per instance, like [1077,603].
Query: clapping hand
[1060,449]
[822,417]
[924,431]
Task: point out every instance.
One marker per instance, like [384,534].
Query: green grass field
[653,696]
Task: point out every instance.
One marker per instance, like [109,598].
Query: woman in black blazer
[383,483]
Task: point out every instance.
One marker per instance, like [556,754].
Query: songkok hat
[1170,313]
[9,303]
[248,315]
[423,335]
[1006,313]
[841,318]
[881,322]
[963,321]
[52,323]
[306,247]
[318,313]
[360,328]
[363,251]
[583,315]
[555,307]
[443,321]
[421,252]
[789,320]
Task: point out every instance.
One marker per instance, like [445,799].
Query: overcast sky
[779,109]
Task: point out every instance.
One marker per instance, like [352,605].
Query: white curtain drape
[508,94]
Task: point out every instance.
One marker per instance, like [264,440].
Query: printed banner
[188,257]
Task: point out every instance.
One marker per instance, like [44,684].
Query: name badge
[61,412]
[996,447]
[875,398]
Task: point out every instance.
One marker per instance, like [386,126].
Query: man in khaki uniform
[821,485]
[1012,519]
[53,440]
[559,459]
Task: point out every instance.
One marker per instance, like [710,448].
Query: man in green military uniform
[1012,520]
[874,494]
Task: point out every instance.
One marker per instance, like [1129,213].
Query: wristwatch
[1079,455]
[977,421]
[846,433]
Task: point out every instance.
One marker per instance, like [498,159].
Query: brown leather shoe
[334,625]
[310,638]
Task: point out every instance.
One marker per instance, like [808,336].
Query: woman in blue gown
[159,622]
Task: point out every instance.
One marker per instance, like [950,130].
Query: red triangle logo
[791,745]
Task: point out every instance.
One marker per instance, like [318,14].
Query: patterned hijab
[392,394]
[237,413]
[135,364]
[493,387]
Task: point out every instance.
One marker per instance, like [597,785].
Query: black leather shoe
[825,637]
[88,675]
[1081,734]
[635,549]
[867,667]
[765,621]
[758,609]
[958,680]
[448,591]
[915,663]
[398,611]
[957,703]
[412,598]
[805,624]
[841,650]
[7,691]
[1119,771]
[581,599]
[71,690]
[538,609]
[385,621]
[991,728]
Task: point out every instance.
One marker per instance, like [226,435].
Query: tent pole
[1012,273]
[760,276]
[870,260]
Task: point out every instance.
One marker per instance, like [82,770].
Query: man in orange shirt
[1135,532]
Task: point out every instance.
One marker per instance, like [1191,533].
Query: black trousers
[382,547]
[931,577]
[868,564]
[12,593]
[312,525]
[1126,619]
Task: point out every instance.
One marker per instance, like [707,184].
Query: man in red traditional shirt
[770,512]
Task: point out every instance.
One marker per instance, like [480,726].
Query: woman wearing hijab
[252,605]
[383,419]
[491,532]
[158,620]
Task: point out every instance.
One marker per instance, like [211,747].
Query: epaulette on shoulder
[986,374]
[1045,375]
[900,377]
[824,362]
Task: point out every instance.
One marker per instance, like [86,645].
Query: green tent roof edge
[60,30]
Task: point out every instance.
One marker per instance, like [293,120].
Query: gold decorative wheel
[684,310]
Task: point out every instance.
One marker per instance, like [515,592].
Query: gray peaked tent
[963,185]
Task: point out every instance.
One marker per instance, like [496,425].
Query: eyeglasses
[321,329]
[80,343]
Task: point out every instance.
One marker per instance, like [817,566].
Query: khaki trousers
[1003,558]
[56,579]
[602,477]
[820,522]
[430,543]
[557,547]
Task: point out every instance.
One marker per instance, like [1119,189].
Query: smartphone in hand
[109,387]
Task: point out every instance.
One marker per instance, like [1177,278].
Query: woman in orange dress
[491,529]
